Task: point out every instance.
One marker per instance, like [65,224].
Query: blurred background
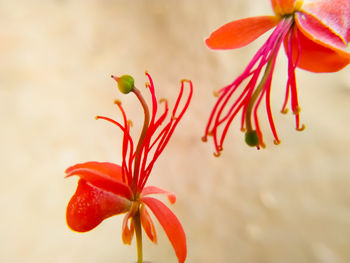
[288,203]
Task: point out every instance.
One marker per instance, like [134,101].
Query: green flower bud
[252,138]
[125,83]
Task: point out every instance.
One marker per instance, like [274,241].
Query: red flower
[314,37]
[107,189]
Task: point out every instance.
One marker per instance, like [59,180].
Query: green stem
[142,137]
[138,233]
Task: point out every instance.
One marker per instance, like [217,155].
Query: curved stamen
[291,76]
[126,140]
[249,99]
[168,130]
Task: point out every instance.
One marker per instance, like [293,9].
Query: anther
[130,123]
[204,139]
[162,100]
[118,102]
[243,129]
[216,154]
[216,93]
[284,111]
[301,128]
[276,142]
[297,110]
[97,117]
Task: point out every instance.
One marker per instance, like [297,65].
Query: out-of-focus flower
[314,36]
[107,189]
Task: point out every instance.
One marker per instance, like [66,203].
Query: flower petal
[334,14]
[171,226]
[106,176]
[283,7]
[148,190]
[332,58]
[109,169]
[314,27]
[241,32]
[148,224]
[128,231]
[89,206]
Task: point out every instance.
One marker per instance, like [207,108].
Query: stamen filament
[126,170]
[169,129]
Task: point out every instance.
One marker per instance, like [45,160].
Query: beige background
[286,204]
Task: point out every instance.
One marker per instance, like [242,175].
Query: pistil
[138,151]
[251,135]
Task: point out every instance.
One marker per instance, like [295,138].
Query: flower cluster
[314,37]
[107,189]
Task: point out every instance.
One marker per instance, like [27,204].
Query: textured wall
[287,203]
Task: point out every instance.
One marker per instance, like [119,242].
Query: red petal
[317,56]
[128,231]
[171,226]
[89,206]
[109,169]
[148,224]
[334,14]
[148,190]
[241,32]
[106,176]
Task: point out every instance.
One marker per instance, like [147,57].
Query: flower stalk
[138,234]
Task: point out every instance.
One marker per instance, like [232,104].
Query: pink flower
[107,189]
[314,37]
